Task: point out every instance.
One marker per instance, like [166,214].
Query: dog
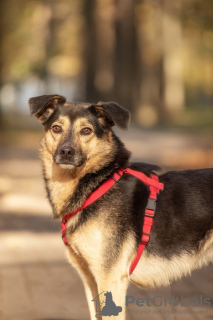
[80,152]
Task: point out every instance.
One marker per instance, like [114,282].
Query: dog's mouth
[66,166]
[69,163]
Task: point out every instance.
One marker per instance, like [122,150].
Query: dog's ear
[43,107]
[113,114]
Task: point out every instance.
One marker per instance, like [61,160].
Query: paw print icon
[173,301]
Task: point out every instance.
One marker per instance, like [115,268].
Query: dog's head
[77,134]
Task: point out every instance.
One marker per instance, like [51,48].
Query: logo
[107,305]
[164,301]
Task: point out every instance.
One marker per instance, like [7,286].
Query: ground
[36,281]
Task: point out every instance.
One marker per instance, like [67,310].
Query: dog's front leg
[114,287]
[90,285]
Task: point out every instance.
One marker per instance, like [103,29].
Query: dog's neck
[68,189]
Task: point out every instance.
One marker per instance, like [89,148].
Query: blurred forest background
[154,57]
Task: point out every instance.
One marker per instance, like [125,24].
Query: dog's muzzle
[68,158]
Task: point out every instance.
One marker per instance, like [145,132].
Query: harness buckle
[150,215]
[142,242]
[116,180]
[151,204]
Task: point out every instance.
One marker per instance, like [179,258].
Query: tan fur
[117,280]
[90,285]
[90,239]
[45,115]
[99,152]
[88,247]
[63,182]
[52,139]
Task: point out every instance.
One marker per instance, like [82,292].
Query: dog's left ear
[113,113]
[42,107]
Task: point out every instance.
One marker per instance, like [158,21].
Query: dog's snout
[66,151]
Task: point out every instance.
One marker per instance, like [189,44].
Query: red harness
[154,186]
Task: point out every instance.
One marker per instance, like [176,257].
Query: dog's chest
[88,241]
[60,192]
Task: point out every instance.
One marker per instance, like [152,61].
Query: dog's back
[182,234]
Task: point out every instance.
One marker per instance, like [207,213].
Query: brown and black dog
[79,152]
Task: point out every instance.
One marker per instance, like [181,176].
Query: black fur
[114,113]
[38,104]
[184,214]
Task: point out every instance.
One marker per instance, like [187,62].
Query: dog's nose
[66,151]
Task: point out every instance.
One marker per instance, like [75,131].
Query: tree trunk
[90,50]
[100,39]
[172,93]
[2,30]
[126,87]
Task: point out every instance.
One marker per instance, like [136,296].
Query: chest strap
[154,186]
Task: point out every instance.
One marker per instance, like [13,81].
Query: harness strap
[154,186]
[92,198]
[148,220]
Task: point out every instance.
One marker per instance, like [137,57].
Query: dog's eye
[86,131]
[56,129]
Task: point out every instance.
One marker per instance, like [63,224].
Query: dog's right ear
[42,107]
[113,114]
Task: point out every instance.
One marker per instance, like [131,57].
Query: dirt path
[36,281]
